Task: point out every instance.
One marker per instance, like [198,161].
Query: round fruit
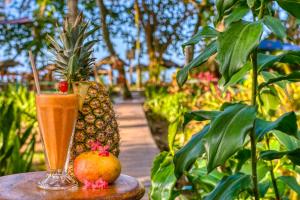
[89,166]
[63,86]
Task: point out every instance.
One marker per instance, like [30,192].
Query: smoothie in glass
[57,115]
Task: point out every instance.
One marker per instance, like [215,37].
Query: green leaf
[291,182]
[262,169]
[251,3]
[288,141]
[286,123]
[162,177]
[222,6]
[292,6]
[200,176]
[237,14]
[264,60]
[237,76]
[292,155]
[172,131]
[269,99]
[206,32]
[187,155]
[199,115]
[242,156]
[269,75]
[263,188]
[291,57]
[292,77]
[229,187]
[182,74]
[271,155]
[228,129]
[235,46]
[275,26]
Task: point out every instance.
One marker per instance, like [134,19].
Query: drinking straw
[35,74]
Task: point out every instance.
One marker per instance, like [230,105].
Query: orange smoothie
[57,114]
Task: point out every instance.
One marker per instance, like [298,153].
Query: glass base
[57,181]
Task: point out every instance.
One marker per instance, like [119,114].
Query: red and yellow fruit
[89,166]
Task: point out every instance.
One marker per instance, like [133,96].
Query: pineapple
[74,62]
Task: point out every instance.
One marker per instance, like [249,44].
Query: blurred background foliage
[18,129]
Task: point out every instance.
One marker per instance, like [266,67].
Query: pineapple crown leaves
[73,56]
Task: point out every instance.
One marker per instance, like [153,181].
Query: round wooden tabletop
[23,186]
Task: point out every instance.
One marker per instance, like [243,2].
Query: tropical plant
[232,157]
[17,135]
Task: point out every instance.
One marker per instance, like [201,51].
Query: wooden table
[23,187]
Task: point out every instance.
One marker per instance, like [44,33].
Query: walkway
[137,146]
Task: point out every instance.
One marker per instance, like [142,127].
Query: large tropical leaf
[275,26]
[292,6]
[265,61]
[269,75]
[235,46]
[289,142]
[207,182]
[262,169]
[162,177]
[292,77]
[269,99]
[286,123]
[291,182]
[222,6]
[229,187]
[187,155]
[291,57]
[182,74]
[228,129]
[205,32]
[237,76]
[242,157]
[293,155]
[199,115]
[236,15]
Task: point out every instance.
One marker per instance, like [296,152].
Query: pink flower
[99,184]
[103,150]
[88,184]
[94,145]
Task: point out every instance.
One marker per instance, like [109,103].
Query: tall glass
[57,115]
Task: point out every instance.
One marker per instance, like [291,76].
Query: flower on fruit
[103,150]
[96,146]
[99,184]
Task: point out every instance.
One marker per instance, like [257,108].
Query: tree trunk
[72,10]
[109,45]
[138,45]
